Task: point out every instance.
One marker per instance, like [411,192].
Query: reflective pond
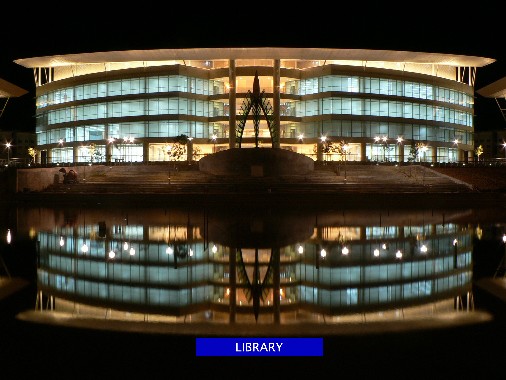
[223,266]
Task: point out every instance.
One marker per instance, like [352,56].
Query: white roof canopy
[256,53]
[495,89]
[9,90]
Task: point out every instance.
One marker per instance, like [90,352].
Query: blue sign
[259,346]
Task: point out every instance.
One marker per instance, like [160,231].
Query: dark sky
[424,27]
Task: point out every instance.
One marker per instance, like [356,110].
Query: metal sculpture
[256,103]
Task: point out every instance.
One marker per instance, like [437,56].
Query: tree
[32,152]
[328,148]
[414,152]
[177,148]
[478,151]
[95,155]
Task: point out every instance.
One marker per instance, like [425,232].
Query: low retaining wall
[39,179]
[256,162]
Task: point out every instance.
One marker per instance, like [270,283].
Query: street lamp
[109,152]
[384,141]
[323,140]
[424,150]
[345,151]
[127,141]
[8,145]
[456,143]
[376,141]
[214,137]
[400,140]
[168,149]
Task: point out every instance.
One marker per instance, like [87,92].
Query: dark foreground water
[253,272]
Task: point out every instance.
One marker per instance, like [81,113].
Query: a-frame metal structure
[256,103]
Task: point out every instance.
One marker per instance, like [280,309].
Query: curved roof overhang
[256,53]
[9,90]
[495,89]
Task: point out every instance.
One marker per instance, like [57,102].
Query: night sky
[424,27]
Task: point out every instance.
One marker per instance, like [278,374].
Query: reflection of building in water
[401,265]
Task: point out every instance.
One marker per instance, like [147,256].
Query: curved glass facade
[171,269]
[395,112]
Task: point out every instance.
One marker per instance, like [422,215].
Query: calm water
[263,267]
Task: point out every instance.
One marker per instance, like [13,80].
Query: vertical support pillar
[401,152]
[276,288]
[145,152]
[189,151]
[232,284]
[460,155]
[108,152]
[232,103]
[276,102]
[363,154]
[319,151]
[76,154]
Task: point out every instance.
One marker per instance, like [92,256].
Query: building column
[276,288]
[50,156]
[189,150]
[319,151]
[232,284]
[461,155]
[145,152]
[276,103]
[75,151]
[434,155]
[363,154]
[231,101]
[400,147]
[108,152]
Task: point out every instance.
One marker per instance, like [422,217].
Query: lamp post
[109,152]
[400,140]
[169,151]
[501,269]
[424,150]
[345,151]
[504,147]
[8,145]
[213,138]
[384,144]
[323,140]
[128,155]
[376,141]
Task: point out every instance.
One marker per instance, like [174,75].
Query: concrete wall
[35,179]
[38,179]
[256,162]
